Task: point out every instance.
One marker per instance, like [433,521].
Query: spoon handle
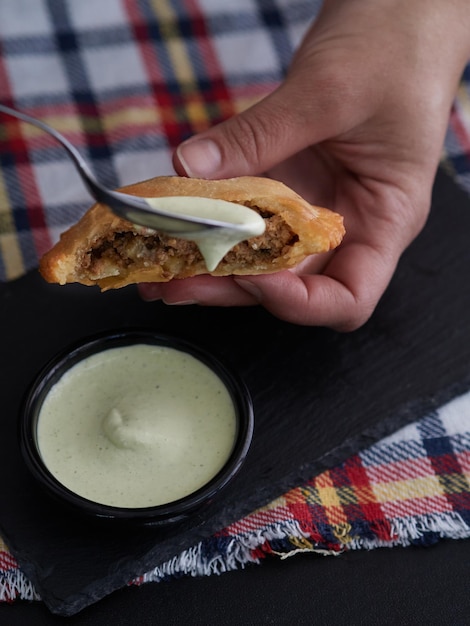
[87,176]
[139,211]
[131,208]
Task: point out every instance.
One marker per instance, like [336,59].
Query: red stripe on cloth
[174,128]
[400,470]
[459,501]
[449,474]
[65,119]
[261,551]
[259,519]
[5,90]
[370,508]
[408,507]
[445,464]
[306,516]
[220,92]
[34,208]
[7,561]
[464,460]
[155,76]
[38,139]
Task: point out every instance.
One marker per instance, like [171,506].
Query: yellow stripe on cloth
[10,249]
[422,487]
[195,110]
[331,503]
[131,116]
[62,123]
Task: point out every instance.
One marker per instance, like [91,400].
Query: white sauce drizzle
[215,243]
[137,426]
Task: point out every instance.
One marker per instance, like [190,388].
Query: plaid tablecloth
[126,81]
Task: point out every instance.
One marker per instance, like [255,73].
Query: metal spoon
[169,215]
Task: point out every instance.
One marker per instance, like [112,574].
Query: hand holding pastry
[357,126]
[105,250]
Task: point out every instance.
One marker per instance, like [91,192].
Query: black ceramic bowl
[159,514]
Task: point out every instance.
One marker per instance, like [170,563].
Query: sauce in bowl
[137,423]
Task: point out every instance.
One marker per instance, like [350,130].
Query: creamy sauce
[213,243]
[137,426]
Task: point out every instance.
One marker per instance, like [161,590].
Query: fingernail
[249,287]
[200,158]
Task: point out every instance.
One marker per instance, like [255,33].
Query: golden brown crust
[296,230]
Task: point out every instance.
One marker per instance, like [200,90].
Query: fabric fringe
[15,586]
[423,530]
[250,548]
[223,554]
[285,539]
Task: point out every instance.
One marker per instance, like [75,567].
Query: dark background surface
[385,587]
[319,396]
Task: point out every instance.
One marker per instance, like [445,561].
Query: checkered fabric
[456,155]
[126,81]
[412,488]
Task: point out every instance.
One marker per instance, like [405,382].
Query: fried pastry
[105,250]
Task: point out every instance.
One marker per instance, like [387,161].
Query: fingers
[266,134]
[342,298]
[204,290]
[248,143]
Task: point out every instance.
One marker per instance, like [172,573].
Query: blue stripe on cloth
[437,446]
[466,74]
[275,24]
[101,36]
[81,91]
[19,46]
[389,453]
[461,442]
[431,426]
[460,163]
[158,41]
[222,21]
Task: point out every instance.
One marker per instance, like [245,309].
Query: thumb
[280,125]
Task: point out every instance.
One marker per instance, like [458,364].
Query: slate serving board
[319,396]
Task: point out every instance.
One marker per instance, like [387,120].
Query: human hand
[357,126]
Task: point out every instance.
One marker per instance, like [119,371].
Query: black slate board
[319,396]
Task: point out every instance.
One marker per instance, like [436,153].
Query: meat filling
[124,249]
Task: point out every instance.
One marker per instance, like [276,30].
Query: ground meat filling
[111,256]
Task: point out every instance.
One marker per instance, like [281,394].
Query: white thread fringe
[239,551]
[14,585]
[407,531]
